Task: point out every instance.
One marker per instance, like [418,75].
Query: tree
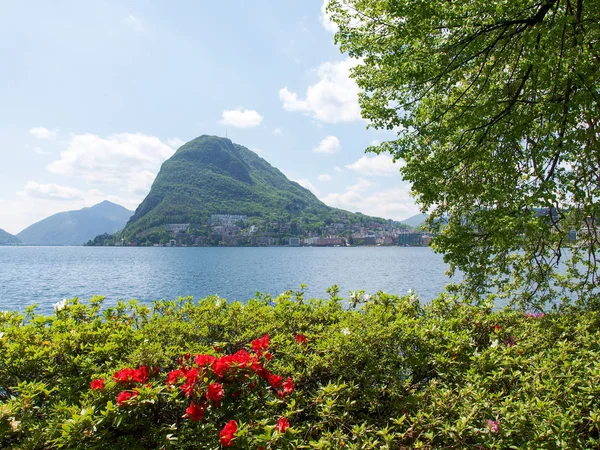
[496,106]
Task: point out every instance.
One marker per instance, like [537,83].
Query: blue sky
[94,96]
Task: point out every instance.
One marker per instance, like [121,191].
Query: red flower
[300,339]
[215,392]
[282,425]
[191,377]
[123,376]
[260,344]
[288,386]
[141,375]
[98,383]
[125,396]
[174,375]
[228,433]
[204,360]
[275,380]
[496,328]
[195,411]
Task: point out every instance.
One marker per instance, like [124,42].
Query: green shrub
[385,373]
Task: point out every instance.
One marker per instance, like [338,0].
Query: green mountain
[212,175]
[7,238]
[76,227]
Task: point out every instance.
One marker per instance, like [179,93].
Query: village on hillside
[235,230]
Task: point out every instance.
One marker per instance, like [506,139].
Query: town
[236,230]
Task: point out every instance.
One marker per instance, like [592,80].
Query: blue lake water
[45,275]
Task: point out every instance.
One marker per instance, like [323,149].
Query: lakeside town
[235,230]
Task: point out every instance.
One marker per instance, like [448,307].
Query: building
[294,242]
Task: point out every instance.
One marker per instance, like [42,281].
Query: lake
[45,275]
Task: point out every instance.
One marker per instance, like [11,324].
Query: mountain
[415,221]
[7,238]
[212,175]
[76,227]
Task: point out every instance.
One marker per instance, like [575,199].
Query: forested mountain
[211,175]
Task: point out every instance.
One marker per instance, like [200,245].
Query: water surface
[45,275]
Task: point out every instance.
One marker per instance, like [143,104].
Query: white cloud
[338,169]
[175,142]
[333,99]
[277,132]
[308,185]
[136,24]
[40,151]
[330,144]
[378,165]
[43,133]
[51,192]
[325,20]
[374,143]
[141,182]
[324,177]
[258,151]
[125,160]
[394,203]
[241,118]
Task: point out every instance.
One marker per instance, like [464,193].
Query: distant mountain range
[212,175]
[415,221]
[7,238]
[76,227]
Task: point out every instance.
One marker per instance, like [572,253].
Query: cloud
[378,165]
[43,133]
[135,23]
[308,185]
[175,143]
[332,99]
[258,151]
[51,192]
[241,118]
[329,145]
[141,182]
[123,161]
[338,169]
[39,151]
[325,20]
[324,177]
[277,132]
[393,203]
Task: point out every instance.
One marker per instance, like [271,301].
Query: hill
[415,221]
[212,175]
[7,238]
[76,227]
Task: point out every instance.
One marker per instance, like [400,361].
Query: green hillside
[7,238]
[212,175]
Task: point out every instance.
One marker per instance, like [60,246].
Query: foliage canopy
[496,104]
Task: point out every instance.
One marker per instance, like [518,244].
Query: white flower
[494,343]
[1,335]
[366,297]
[345,331]
[59,306]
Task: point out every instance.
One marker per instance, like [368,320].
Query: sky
[94,96]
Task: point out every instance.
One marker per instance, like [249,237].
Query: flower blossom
[195,411]
[493,425]
[300,339]
[282,425]
[275,380]
[260,344]
[98,383]
[59,306]
[228,433]
[125,396]
[215,393]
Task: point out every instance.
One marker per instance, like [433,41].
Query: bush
[289,373]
